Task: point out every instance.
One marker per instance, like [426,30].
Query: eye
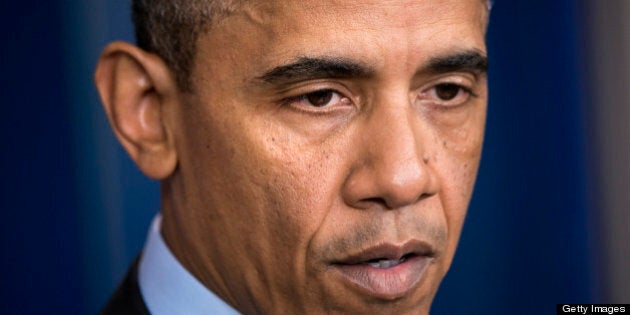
[447,94]
[319,99]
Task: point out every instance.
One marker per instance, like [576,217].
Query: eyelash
[303,97]
[445,102]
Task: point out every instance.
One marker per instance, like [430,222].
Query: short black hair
[171,28]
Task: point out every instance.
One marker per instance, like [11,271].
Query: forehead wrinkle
[261,13]
[266,12]
[280,14]
[254,15]
[271,21]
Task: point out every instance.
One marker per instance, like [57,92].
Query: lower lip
[387,283]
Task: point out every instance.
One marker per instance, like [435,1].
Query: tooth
[385,263]
[377,264]
[388,263]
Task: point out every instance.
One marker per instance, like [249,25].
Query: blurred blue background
[548,223]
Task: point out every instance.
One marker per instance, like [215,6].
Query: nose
[391,165]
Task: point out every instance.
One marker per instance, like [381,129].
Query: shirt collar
[167,287]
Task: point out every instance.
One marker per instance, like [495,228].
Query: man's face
[328,153]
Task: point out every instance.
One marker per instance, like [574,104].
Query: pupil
[447,92]
[320,98]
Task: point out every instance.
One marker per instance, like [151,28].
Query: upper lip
[388,251]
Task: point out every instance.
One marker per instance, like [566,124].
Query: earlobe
[136,89]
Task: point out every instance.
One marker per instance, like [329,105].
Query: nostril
[375,200]
[391,202]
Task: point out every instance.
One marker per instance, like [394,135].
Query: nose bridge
[393,169]
[398,146]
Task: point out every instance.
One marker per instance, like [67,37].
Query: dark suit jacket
[127,298]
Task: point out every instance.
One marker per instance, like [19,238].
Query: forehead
[365,29]
[368,9]
[349,13]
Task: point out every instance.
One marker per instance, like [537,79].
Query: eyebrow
[309,68]
[471,61]
[313,68]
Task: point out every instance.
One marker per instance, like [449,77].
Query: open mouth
[384,263]
[387,272]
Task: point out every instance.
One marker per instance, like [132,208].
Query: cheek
[456,151]
[281,182]
[457,170]
[455,156]
[255,169]
[295,189]
[457,175]
[296,176]
[458,180]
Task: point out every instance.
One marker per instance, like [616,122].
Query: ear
[136,89]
